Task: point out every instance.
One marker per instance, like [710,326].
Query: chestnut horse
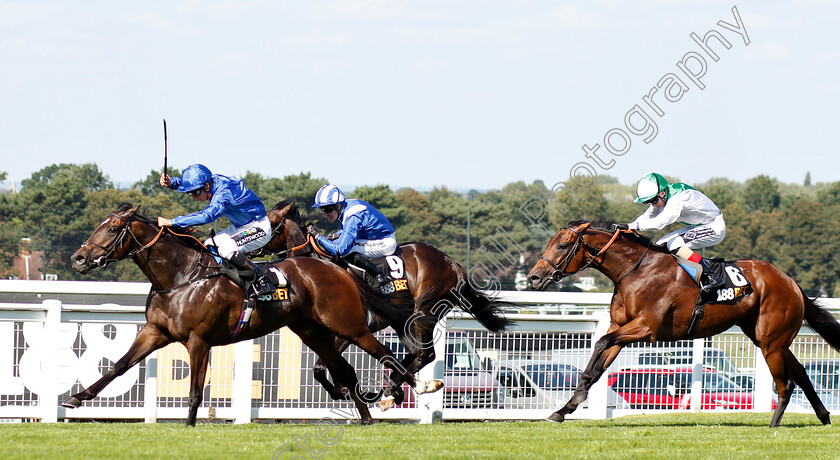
[436,284]
[654,298]
[191,302]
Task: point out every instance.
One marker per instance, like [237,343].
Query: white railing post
[150,388]
[243,368]
[430,405]
[598,403]
[697,374]
[49,361]
[762,385]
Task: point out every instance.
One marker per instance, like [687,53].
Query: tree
[48,206]
[761,194]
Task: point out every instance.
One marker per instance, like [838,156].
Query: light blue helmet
[327,195]
[194,178]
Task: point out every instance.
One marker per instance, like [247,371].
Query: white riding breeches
[696,236]
[244,239]
[376,248]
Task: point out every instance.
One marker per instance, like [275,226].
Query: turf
[658,436]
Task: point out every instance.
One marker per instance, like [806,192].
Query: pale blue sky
[466,94]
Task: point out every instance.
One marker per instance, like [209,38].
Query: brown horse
[654,298]
[191,302]
[437,285]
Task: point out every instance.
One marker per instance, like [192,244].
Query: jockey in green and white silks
[670,203]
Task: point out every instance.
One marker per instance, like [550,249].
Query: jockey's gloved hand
[332,236]
[311,230]
[616,227]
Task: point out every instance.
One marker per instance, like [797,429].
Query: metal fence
[59,337]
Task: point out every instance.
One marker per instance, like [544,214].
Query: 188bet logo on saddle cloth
[736,285]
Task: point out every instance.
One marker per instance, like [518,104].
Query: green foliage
[761,194]
[790,225]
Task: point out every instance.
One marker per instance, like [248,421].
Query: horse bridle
[103,261]
[559,273]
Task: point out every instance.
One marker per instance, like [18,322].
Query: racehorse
[191,302]
[654,298]
[436,284]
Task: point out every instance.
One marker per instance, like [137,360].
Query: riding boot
[709,280]
[379,279]
[262,284]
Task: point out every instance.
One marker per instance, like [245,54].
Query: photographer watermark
[640,121]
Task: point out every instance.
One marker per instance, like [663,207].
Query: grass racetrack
[669,436]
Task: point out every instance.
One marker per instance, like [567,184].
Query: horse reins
[559,273]
[106,259]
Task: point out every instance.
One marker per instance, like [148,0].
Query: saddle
[736,285]
[393,266]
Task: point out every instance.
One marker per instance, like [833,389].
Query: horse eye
[562,246]
[112,229]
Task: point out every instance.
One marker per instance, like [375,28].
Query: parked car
[466,384]
[825,372]
[536,384]
[669,387]
[653,356]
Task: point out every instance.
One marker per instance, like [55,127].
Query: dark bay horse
[437,285]
[192,303]
[654,298]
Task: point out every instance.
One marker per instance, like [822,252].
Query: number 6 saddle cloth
[736,285]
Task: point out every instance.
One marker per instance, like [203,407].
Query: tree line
[789,225]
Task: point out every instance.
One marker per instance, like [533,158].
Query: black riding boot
[709,280]
[262,284]
[379,279]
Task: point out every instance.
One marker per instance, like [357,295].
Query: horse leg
[800,377]
[148,340]
[199,352]
[367,342]
[784,384]
[321,341]
[605,351]
[319,370]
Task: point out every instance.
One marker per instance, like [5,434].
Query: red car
[670,388]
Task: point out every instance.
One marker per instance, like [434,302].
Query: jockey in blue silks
[365,232]
[250,228]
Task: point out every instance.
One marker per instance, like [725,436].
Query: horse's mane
[184,235]
[606,223]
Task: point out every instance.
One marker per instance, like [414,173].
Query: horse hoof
[430,386]
[556,417]
[366,421]
[386,403]
[71,403]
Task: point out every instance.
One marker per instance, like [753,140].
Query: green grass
[670,436]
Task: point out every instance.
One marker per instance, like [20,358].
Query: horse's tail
[821,321]
[486,309]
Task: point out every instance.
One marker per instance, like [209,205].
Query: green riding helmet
[649,186]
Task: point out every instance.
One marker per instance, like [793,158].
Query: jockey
[365,232]
[680,202]
[250,229]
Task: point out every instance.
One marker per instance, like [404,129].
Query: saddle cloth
[394,267]
[736,284]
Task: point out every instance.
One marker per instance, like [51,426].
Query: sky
[464,94]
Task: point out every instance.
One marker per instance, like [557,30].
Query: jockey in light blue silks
[365,232]
[228,196]
[669,203]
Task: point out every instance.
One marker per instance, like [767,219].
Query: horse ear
[133,210]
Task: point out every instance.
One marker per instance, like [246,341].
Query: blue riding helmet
[327,195]
[194,178]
